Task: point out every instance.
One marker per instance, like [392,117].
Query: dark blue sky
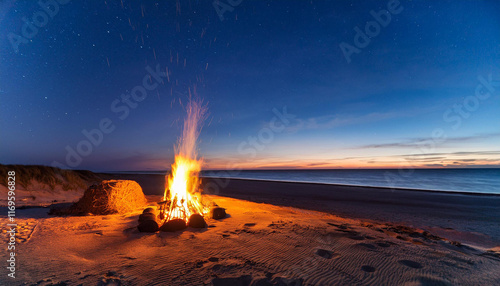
[425,90]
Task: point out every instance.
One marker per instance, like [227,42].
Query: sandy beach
[250,143]
[275,234]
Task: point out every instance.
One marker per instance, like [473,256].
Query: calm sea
[458,180]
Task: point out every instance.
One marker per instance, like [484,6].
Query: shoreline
[358,186]
[140,175]
[457,180]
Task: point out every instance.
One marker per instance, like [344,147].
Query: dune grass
[51,176]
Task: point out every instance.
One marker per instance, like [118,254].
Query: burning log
[149,221]
[175,215]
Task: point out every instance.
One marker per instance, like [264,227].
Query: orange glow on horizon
[389,163]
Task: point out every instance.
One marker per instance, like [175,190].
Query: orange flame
[183,183]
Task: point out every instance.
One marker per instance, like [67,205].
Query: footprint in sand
[356,237]
[242,280]
[341,226]
[368,268]
[411,264]
[367,246]
[85,277]
[383,244]
[325,253]
[111,278]
[213,259]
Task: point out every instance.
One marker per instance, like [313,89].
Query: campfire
[182,203]
[182,196]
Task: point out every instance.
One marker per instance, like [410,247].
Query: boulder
[196,221]
[148,226]
[218,213]
[173,225]
[147,216]
[150,210]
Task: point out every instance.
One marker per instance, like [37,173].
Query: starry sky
[288,84]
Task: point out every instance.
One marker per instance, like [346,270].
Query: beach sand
[275,234]
[470,218]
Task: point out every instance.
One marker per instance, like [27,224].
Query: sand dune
[258,244]
[43,185]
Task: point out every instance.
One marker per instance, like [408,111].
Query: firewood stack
[152,220]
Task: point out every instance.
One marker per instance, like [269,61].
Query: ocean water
[457,180]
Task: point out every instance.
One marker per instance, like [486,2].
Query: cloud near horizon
[332,121]
[417,142]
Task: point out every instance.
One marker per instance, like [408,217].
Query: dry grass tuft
[111,197]
[51,176]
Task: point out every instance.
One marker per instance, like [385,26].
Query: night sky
[423,90]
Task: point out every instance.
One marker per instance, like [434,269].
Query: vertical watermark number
[11,225]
